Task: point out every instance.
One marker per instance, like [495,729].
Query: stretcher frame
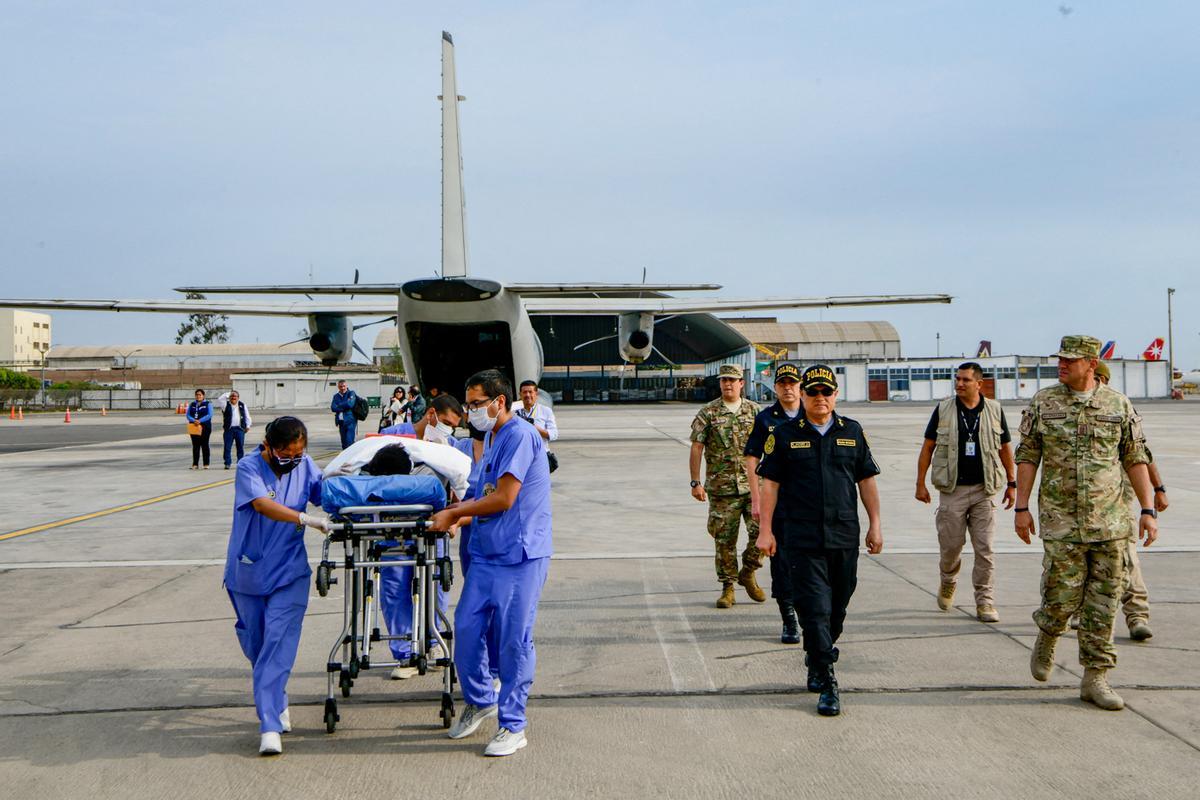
[368,534]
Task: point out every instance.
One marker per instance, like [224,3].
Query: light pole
[1170,345]
[124,360]
[181,360]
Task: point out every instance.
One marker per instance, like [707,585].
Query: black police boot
[815,676]
[791,625]
[829,704]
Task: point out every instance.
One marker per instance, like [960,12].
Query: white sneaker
[404,673]
[270,744]
[285,720]
[496,685]
[505,743]
[472,717]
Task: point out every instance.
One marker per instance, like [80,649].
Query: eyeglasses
[480,404]
[823,391]
[286,461]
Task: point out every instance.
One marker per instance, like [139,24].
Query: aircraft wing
[534,289]
[713,305]
[238,308]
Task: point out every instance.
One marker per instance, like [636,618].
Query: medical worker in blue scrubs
[266,565]
[474,447]
[510,552]
[395,585]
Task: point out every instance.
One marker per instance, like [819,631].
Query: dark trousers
[234,435]
[200,444]
[781,581]
[348,430]
[823,581]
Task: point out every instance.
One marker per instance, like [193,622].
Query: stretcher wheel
[323,575]
[331,715]
[447,712]
[447,574]
[345,681]
[422,665]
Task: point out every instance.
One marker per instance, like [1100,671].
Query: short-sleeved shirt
[724,434]
[464,446]
[1084,446]
[970,468]
[400,429]
[522,532]
[265,554]
[818,478]
[765,424]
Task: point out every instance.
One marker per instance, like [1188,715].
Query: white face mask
[479,418]
[438,432]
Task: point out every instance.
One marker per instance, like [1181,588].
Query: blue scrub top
[464,446]
[524,531]
[403,429]
[264,554]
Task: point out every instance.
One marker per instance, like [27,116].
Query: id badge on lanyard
[969,445]
[969,448]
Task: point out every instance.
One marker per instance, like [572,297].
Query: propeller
[657,320]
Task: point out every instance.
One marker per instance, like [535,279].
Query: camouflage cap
[730,371]
[1079,346]
[787,372]
[818,375]
[1103,372]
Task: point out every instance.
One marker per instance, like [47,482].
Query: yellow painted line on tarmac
[127,507]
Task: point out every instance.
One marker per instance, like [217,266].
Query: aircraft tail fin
[454,209]
[1109,349]
[985,349]
[1154,350]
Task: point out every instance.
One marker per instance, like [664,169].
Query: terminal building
[152,366]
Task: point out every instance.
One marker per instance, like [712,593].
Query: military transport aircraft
[453,325]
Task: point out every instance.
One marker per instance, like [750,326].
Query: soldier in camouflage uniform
[719,434]
[1082,433]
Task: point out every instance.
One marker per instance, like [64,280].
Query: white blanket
[446,462]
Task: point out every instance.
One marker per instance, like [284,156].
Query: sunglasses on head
[823,391]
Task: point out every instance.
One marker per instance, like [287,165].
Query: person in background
[266,565]
[342,407]
[235,422]
[393,410]
[539,415]
[199,412]
[416,403]
[437,425]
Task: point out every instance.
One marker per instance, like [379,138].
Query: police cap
[818,375]
[787,372]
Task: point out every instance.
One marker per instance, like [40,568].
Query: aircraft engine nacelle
[332,338]
[635,332]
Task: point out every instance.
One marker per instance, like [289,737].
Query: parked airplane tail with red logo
[1109,349]
[1154,350]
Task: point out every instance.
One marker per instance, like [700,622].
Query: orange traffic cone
[68,417]
[21,414]
[103,411]
[12,412]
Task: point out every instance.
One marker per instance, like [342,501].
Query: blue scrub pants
[348,429]
[268,629]
[464,564]
[234,435]
[504,597]
[396,603]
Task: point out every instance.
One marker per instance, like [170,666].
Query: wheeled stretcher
[381,524]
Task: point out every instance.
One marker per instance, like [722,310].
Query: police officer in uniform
[811,476]
[1084,436]
[719,434]
[785,409]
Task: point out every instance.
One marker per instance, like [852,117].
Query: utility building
[808,342]
[24,338]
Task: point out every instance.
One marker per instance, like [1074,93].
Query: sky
[1040,161]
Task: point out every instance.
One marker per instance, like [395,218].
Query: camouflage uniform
[724,435]
[1084,447]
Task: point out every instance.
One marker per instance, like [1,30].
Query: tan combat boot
[748,582]
[1094,689]
[1041,663]
[726,599]
[1139,630]
[987,613]
[946,596]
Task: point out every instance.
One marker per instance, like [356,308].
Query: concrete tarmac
[120,675]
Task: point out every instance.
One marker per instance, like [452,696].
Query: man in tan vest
[969,447]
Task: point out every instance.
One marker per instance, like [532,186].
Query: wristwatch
[1162,489]
[1151,512]
[694,484]
[1012,484]
[1019,510]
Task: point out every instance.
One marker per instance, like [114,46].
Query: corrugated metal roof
[177,350]
[769,329]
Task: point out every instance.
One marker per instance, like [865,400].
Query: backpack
[361,408]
